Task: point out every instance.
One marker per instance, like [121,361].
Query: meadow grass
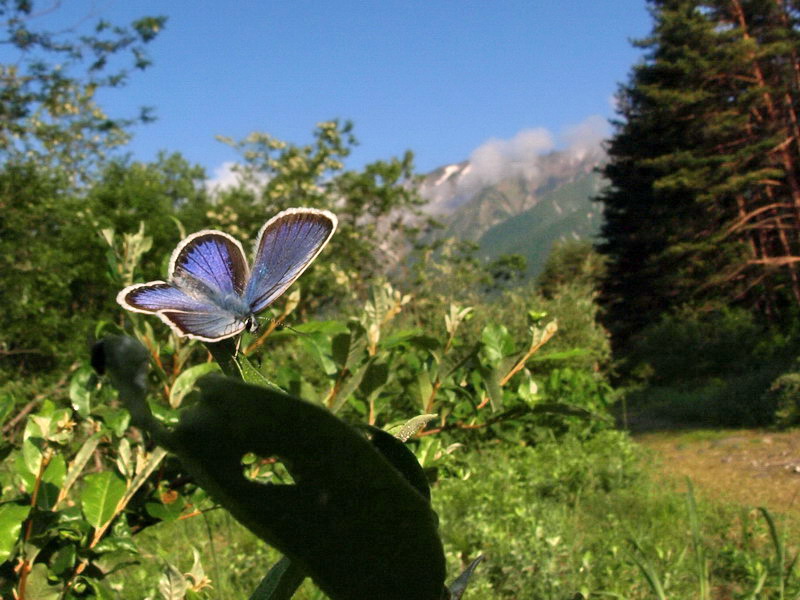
[553,520]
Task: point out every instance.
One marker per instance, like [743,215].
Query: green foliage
[61,523]
[712,368]
[52,258]
[572,516]
[506,270]
[50,115]
[525,509]
[689,346]
[54,251]
[571,262]
[784,395]
[473,385]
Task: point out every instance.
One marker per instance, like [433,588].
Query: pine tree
[702,208]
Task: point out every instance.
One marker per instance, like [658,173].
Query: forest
[408,419]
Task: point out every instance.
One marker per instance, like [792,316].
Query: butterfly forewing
[286,245]
[210,261]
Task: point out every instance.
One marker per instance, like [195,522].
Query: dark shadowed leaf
[351,521]
[402,459]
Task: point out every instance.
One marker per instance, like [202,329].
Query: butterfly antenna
[290,328]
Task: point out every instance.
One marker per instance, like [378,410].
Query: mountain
[519,207]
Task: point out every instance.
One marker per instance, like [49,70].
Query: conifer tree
[702,208]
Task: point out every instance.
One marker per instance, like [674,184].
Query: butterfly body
[213,294]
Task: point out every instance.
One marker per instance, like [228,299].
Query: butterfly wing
[286,245]
[213,325]
[209,262]
[188,316]
[157,296]
[202,300]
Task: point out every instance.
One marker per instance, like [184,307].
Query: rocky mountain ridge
[524,210]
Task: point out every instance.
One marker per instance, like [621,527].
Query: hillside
[565,212]
[524,211]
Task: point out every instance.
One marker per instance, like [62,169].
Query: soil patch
[747,467]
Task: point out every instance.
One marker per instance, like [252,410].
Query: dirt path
[748,467]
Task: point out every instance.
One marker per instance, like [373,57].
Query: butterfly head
[251,324]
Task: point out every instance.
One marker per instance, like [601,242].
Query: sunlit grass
[564,517]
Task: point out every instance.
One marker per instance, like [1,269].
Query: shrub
[784,396]
[689,346]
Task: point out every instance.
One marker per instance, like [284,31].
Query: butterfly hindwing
[209,326]
[285,247]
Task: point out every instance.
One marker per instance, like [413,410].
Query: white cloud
[224,177]
[586,136]
[498,159]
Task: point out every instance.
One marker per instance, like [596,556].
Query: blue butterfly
[212,294]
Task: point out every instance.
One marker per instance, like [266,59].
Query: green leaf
[491,380]
[11,518]
[6,406]
[423,389]
[560,355]
[497,342]
[116,419]
[252,375]
[528,390]
[423,342]
[172,585]
[319,349]
[63,560]
[117,544]
[397,338]
[328,328]
[100,496]
[80,390]
[166,511]
[101,590]
[51,482]
[39,587]
[375,378]
[280,583]
[186,380]
[32,454]
[348,387]
[412,426]
[348,348]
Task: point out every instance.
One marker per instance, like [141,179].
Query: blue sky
[439,77]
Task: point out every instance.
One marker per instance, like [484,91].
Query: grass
[232,558]
[742,467]
[568,516]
